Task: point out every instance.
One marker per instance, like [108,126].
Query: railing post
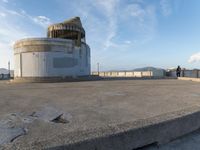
[183,73]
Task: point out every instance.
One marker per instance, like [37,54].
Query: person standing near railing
[178,71]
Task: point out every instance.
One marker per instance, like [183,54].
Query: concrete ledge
[81,78]
[137,78]
[54,79]
[126,136]
[189,79]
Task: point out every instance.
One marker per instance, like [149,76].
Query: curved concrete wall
[49,57]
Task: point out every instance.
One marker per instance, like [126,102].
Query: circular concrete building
[64,54]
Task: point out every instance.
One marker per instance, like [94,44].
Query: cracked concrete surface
[11,128]
[10,134]
[89,106]
[51,114]
[14,125]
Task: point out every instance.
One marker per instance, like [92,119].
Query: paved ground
[88,105]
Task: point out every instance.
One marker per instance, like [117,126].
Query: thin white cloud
[135,10]
[166,7]
[106,20]
[42,20]
[8,12]
[5,1]
[140,20]
[194,58]
[108,6]
[2,14]
[110,10]
[127,42]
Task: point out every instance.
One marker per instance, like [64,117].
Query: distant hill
[140,69]
[148,69]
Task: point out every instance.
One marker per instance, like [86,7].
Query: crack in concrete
[14,125]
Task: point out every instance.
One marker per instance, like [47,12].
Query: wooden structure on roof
[69,29]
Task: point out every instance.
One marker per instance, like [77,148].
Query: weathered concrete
[137,74]
[55,79]
[105,115]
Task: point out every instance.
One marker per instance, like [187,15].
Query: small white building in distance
[64,54]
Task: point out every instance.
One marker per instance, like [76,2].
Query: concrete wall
[155,73]
[131,74]
[43,57]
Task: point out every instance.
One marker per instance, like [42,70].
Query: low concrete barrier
[159,73]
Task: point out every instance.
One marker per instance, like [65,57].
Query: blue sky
[122,34]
